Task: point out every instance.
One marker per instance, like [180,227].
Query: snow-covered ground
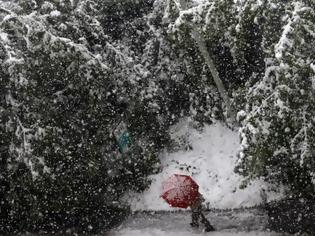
[250,222]
[210,160]
[159,232]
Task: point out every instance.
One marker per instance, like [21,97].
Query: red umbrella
[180,191]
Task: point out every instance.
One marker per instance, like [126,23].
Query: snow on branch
[286,42]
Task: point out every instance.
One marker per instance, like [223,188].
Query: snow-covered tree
[58,110]
[278,132]
[199,35]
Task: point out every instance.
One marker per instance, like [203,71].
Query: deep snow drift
[210,160]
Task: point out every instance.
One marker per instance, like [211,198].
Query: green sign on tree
[123,137]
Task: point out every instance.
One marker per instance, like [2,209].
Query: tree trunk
[197,36]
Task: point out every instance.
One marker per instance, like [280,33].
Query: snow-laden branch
[285,42]
[301,141]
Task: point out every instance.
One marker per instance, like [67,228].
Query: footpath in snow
[159,232]
[209,156]
[249,222]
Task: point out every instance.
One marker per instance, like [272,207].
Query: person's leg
[205,221]
[194,219]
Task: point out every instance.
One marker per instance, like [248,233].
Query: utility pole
[198,37]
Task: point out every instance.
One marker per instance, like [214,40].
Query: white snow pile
[210,160]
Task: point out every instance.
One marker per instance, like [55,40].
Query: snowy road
[158,232]
[228,223]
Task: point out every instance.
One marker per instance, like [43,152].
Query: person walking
[197,215]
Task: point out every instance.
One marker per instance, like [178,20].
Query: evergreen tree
[60,108]
[278,127]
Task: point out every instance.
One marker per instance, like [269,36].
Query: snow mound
[210,160]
